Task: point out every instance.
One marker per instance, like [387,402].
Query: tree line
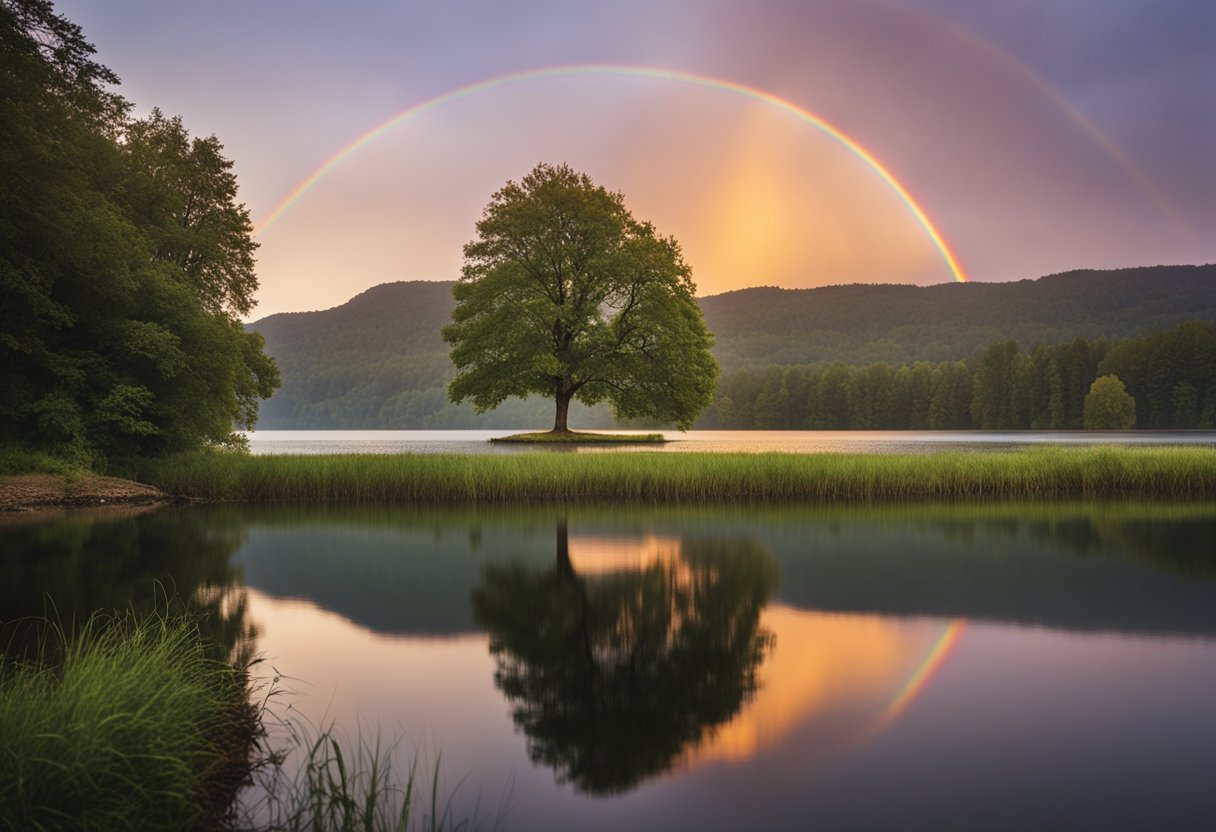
[125,261]
[896,324]
[1170,374]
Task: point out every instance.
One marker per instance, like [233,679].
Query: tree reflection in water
[612,675]
[115,560]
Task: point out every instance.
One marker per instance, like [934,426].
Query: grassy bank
[128,724]
[688,478]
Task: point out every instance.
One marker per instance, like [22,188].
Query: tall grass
[127,724]
[317,780]
[442,479]
[130,723]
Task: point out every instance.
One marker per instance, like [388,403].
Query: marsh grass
[645,478]
[130,723]
[319,780]
[126,724]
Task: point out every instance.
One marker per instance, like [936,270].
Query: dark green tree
[122,271]
[1109,406]
[772,406]
[1186,406]
[565,294]
[992,403]
[612,676]
[950,407]
[183,195]
[831,409]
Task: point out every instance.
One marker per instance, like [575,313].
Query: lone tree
[1109,406]
[565,294]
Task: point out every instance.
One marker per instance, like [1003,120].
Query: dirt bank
[33,492]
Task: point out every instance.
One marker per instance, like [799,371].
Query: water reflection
[66,569]
[614,672]
[1126,567]
[716,668]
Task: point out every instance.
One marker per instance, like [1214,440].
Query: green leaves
[565,294]
[1108,405]
[183,194]
[124,262]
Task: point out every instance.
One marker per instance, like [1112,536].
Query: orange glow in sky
[754,194]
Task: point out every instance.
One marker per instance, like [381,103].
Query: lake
[982,666]
[727,441]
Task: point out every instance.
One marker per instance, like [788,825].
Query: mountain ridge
[378,360]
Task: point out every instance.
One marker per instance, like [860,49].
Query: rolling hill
[378,361]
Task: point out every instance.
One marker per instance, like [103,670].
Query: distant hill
[864,324]
[378,361]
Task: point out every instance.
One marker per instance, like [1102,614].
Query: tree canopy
[565,294]
[1109,406]
[124,262]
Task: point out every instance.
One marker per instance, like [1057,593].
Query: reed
[130,723]
[689,478]
[126,724]
[319,780]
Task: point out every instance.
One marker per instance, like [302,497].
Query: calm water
[970,667]
[754,441]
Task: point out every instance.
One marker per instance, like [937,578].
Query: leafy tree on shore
[124,262]
[565,294]
[1108,405]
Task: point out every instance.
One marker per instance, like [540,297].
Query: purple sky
[1038,135]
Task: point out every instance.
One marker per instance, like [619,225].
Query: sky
[782,142]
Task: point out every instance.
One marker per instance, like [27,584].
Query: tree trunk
[563,408]
[565,567]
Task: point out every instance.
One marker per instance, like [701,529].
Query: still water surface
[721,441]
[952,667]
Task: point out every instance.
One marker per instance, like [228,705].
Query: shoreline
[23,493]
[618,478]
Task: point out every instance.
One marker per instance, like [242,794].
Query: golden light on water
[591,555]
[825,670]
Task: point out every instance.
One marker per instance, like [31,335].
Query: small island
[574,437]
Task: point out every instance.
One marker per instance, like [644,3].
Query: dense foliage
[124,262]
[128,723]
[1170,375]
[378,361]
[564,294]
[1109,406]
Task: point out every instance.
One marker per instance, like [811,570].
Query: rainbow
[703,81]
[924,672]
[1057,98]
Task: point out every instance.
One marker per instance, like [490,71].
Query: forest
[895,324]
[126,263]
[1171,375]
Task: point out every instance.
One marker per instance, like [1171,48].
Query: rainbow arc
[783,105]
